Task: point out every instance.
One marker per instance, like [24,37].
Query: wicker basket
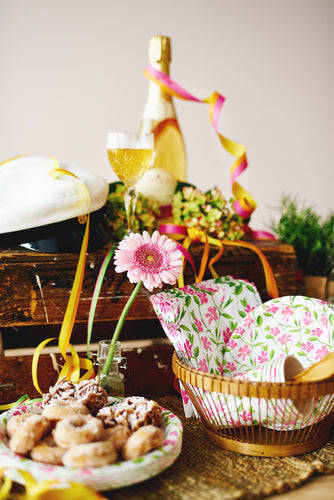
[274,431]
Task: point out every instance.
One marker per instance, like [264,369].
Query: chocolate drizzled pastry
[133,412]
[89,392]
[63,390]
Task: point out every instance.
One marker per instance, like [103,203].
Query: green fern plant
[311,236]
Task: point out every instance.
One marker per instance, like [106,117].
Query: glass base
[112,382]
[113,385]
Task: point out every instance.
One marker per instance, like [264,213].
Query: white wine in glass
[130,155]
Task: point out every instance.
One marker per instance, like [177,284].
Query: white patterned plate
[109,477]
[295,325]
[292,325]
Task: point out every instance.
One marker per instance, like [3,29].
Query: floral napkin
[291,325]
[199,320]
[297,326]
[220,326]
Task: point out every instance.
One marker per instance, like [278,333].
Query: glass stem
[130,201]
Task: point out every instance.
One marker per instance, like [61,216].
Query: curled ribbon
[46,490]
[21,401]
[244,203]
[195,235]
[73,364]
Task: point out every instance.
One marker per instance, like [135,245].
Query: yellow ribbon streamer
[73,303]
[34,364]
[196,235]
[268,272]
[35,490]
[55,162]
[73,364]
[21,401]
[47,490]
[245,204]
[5,486]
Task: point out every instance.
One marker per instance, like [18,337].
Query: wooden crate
[35,287]
[148,373]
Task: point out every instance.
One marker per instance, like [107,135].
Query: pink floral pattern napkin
[221,326]
[199,319]
[295,325]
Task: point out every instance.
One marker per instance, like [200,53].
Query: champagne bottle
[169,165]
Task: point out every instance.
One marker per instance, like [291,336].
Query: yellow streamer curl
[73,364]
[196,235]
[47,490]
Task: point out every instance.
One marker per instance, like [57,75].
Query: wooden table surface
[34,290]
[149,373]
[317,488]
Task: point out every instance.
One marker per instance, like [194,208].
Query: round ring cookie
[14,423]
[77,429]
[29,434]
[117,435]
[142,441]
[94,454]
[58,410]
[47,452]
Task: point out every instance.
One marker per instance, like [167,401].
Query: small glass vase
[112,382]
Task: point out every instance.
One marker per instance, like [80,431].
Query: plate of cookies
[76,434]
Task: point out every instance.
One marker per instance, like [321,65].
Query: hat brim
[60,237]
[30,196]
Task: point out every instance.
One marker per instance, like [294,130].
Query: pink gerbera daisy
[149,261]
[154,260]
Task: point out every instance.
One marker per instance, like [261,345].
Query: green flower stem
[118,329]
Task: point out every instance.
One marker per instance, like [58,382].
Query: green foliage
[115,216]
[311,236]
[209,212]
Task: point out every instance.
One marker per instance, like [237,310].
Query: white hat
[30,197]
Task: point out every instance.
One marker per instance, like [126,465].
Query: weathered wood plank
[243,263]
[35,287]
[148,373]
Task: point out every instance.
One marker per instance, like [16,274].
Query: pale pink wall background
[71,70]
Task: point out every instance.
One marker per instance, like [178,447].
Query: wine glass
[130,155]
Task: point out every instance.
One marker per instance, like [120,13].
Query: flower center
[150,258]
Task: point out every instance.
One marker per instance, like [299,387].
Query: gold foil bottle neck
[159,49]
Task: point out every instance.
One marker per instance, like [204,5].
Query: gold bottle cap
[159,49]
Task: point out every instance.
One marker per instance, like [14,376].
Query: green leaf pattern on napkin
[220,326]
[200,318]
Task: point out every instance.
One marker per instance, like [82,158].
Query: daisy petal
[152,259]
